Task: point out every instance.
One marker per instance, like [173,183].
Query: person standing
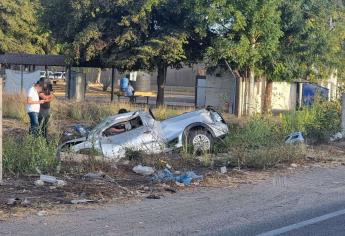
[33,107]
[130,93]
[46,95]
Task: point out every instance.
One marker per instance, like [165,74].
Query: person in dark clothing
[122,110]
[44,114]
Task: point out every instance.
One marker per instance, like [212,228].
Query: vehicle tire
[200,141]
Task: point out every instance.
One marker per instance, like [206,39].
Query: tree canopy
[130,35]
[20,28]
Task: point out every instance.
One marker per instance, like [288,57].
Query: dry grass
[14,107]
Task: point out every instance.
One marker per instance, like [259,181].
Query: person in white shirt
[130,92]
[33,107]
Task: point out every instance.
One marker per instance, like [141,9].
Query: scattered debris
[295,138]
[48,179]
[163,176]
[79,201]
[188,177]
[294,165]
[166,176]
[143,170]
[97,175]
[60,183]
[39,183]
[168,166]
[153,196]
[337,136]
[223,169]
[13,201]
[42,213]
[26,202]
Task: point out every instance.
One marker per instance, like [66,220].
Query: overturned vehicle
[140,131]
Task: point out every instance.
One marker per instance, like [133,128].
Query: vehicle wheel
[200,141]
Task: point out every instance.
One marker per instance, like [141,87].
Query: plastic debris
[188,177]
[39,183]
[60,183]
[166,176]
[223,169]
[295,138]
[143,170]
[163,175]
[78,201]
[336,137]
[26,202]
[13,201]
[97,175]
[42,213]
[48,179]
[168,166]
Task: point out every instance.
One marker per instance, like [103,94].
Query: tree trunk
[251,94]
[268,97]
[98,78]
[161,79]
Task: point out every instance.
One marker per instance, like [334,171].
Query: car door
[141,138]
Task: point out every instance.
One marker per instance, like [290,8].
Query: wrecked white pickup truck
[140,131]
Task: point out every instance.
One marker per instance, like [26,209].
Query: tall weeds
[22,155]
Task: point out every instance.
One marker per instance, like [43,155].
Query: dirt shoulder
[118,183]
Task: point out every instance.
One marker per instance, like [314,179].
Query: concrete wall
[284,96]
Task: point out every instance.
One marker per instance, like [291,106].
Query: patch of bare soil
[13,127]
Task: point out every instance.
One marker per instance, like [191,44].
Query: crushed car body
[140,131]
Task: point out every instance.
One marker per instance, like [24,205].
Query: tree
[20,29]
[246,33]
[130,35]
[312,46]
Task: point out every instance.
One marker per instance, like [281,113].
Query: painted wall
[284,96]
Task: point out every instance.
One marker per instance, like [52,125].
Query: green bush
[317,122]
[23,155]
[260,144]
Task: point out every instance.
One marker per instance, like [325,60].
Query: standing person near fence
[47,95]
[33,107]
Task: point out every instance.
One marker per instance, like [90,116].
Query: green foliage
[20,28]
[312,44]
[22,156]
[317,122]
[260,144]
[260,131]
[246,32]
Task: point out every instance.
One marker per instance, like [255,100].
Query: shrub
[260,144]
[23,155]
[317,122]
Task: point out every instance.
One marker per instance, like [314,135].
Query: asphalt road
[308,202]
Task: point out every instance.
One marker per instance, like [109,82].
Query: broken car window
[123,127]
